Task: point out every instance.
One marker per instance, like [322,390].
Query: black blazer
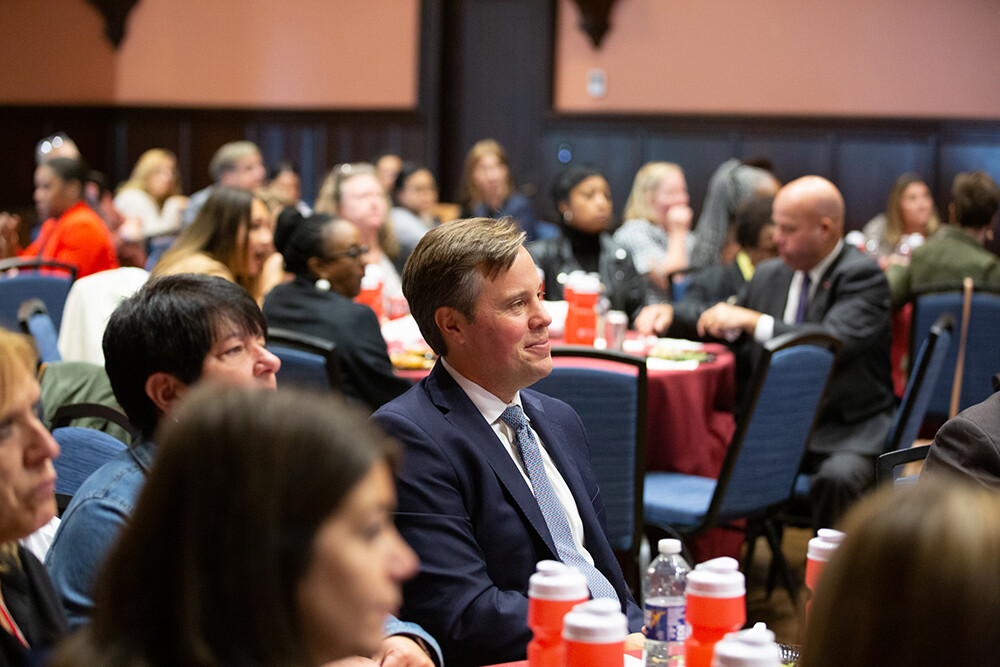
[366,371]
[468,513]
[851,303]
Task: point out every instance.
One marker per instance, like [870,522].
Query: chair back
[982,355]
[46,279]
[923,379]
[306,361]
[886,464]
[84,450]
[608,391]
[763,459]
[34,320]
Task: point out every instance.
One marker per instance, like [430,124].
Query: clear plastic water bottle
[663,600]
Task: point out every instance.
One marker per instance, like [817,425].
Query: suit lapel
[463,415]
[820,301]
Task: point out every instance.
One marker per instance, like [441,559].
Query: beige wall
[920,58]
[339,54]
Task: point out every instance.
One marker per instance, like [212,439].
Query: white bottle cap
[822,546]
[553,580]
[669,546]
[598,621]
[716,578]
[748,648]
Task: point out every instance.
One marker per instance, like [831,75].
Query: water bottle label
[665,623]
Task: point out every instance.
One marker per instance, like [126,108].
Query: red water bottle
[821,549]
[581,315]
[594,634]
[553,590]
[748,648]
[715,605]
[371,290]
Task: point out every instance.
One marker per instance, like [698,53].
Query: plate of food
[413,360]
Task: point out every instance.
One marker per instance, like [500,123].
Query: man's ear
[451,324]
[164,390]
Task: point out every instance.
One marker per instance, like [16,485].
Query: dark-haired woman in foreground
[264,536]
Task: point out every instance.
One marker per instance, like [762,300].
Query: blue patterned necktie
[800,314]
[552,509]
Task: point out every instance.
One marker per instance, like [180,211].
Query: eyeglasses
[354,252]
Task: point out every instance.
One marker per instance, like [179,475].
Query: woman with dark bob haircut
[583,198]
[264,536]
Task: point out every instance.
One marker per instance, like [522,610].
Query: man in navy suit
[821,283]
[467,498]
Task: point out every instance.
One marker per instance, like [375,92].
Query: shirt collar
[816,272]
[489,405]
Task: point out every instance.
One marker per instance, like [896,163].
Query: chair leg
[778,556]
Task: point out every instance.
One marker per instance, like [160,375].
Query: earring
[323,285]
[568,216]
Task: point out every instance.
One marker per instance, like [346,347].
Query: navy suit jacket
[468,513]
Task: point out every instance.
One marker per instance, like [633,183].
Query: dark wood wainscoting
[112,138]
[862,156]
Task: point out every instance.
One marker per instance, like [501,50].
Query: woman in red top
[72,233]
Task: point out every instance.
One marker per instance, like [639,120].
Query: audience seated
[478,514]
[822,284]
[583,198]
[326,256]
[968,444]
[264,536]
[285,179]
[487,188]
[910,210]
[415,195]
[171,333]
[722,282]
[32,620]
[914,582]
[237,164]
[956,251]
[387,166]
[152,194]
[657,227]
[733,183]
[354,193]
[72,232]
[231,238]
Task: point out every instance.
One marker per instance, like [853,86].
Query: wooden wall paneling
[793,154]
[866,166]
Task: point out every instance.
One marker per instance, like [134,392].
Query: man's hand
[654,320]
[725,321]
[635,641]
[394,651]
[8,233]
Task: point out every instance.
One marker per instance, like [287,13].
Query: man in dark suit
[968,444]
[821,283]
[482,496]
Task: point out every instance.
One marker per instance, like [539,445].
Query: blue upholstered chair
[761,464]
[83,450]
[982,352]
[45,279]
[35,321]
[608,391]
[306,361]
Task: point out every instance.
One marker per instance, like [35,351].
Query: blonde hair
[329,199]
[17,362]
[148,163]
[640,201]
[469,194]
[915,582]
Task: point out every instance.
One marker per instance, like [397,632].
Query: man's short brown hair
[976,198]
[449,266]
